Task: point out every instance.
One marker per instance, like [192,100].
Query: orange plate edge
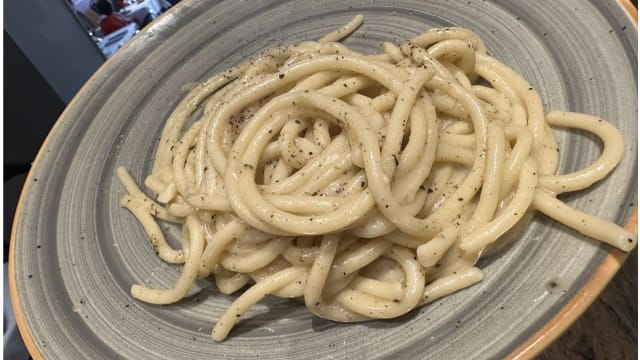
[538,342]
[579,304]
[592,289]
[18,313]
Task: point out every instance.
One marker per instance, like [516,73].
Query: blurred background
[51,48]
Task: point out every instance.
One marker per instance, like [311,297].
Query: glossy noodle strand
[368,185]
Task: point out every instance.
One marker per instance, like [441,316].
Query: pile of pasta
[366,184]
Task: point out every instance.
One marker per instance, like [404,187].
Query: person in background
[110,21]
[119,4]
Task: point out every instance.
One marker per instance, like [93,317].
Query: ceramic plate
[76,252]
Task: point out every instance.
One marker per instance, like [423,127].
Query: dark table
[609,328]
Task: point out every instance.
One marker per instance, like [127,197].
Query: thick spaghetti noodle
[366,184]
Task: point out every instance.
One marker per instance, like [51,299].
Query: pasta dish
[365,184]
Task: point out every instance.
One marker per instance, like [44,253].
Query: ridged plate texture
[77,252]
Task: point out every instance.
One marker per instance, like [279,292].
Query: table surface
[609,328]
